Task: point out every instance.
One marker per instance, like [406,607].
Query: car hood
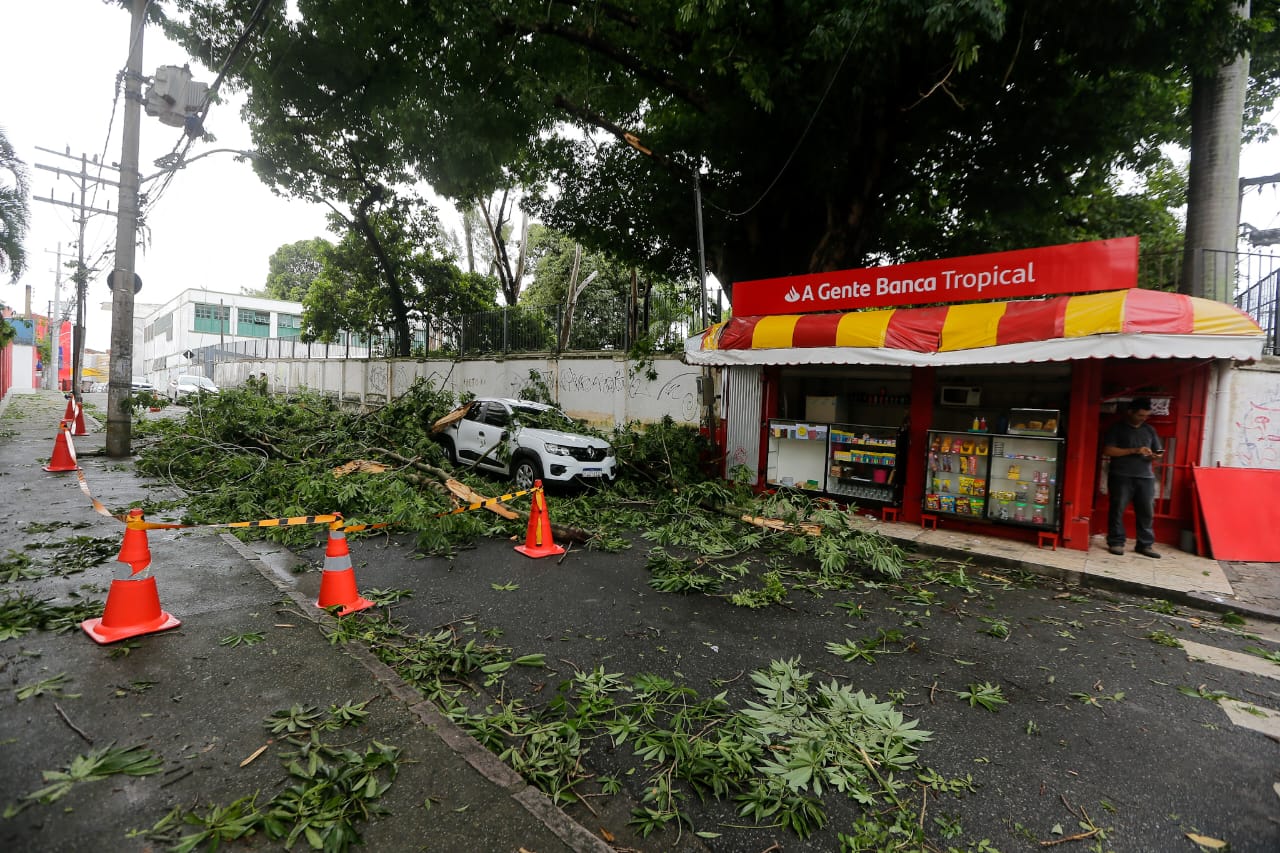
[568,439]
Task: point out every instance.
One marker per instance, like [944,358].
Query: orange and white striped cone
[75,414]
[133,604]
[338,582]
[537,538]
[64,452]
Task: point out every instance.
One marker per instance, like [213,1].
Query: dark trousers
[1139,491]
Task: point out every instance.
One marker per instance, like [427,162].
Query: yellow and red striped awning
[1111,324]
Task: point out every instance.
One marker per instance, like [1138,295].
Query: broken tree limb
[466,493]
[807,528]
[559,531]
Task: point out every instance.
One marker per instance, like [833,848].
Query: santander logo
[792,295]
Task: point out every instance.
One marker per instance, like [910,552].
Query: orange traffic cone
[133,604]
[537,539]
[135,550]
[75,414]
[338,582]
[64,452]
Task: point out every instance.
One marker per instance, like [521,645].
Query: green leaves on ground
[986,694]
[21,614]
[330,790]
[91,767]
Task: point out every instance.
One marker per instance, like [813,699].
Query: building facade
[185,334]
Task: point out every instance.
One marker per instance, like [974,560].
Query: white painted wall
[603,391]
[1253,416]
[24,367]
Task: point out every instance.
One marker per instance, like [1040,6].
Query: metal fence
[501,332]
[1250,280]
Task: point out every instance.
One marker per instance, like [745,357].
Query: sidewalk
[1248,589]
[198,700]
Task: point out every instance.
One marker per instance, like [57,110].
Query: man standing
[1131,445]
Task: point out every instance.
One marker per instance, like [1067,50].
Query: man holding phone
[1132,444]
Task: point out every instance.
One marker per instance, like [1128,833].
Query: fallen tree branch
[67,720]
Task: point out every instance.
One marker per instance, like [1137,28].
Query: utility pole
[53,365]
[81,277]
[119,422]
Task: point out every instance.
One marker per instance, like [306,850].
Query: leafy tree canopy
[827,134]
[15,213]
[346,295]
[293,268]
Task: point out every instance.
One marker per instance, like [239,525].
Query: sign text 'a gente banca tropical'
[1071,268]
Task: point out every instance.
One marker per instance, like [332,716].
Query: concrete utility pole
[1213,205]
[53,365]
[120,378]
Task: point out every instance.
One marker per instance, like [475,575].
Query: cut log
[806,527]
[470,496]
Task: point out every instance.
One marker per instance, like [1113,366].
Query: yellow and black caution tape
[334,520]
[487,502]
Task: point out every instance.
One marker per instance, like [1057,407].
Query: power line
[189,140]
[804,134]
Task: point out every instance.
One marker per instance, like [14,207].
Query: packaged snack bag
[946,444]
[962,506]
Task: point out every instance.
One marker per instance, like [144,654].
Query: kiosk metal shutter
[743,408]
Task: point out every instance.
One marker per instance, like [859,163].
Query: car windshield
[198,381]
[545,418]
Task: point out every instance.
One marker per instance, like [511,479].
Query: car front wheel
[526,471]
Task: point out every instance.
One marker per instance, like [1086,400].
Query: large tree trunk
[399,310]
[1213,192]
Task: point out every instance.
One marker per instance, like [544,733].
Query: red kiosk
[893,388]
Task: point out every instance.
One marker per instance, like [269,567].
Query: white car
[541,443]
[140,384]
[190,385]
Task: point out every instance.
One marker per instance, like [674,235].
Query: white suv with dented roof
[526,441]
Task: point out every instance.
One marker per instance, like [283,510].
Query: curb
[536,803]
[1192,598]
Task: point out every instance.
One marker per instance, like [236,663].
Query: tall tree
[293,268]
[346,295]
[827,133]
[15,215]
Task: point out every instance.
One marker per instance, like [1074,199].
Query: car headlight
[557,449]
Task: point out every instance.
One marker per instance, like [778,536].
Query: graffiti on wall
[1257,429]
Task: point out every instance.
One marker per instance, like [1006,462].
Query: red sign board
[1071,268]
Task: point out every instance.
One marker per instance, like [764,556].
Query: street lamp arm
[179,163]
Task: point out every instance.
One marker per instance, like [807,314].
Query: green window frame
[212,319]
[288,326]
[253,324]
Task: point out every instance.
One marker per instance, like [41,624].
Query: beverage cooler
[957,474]
[1012,478]
[863,463]
[1026,475]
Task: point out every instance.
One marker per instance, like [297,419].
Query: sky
[217,225]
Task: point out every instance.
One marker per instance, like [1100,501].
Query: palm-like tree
[15,216]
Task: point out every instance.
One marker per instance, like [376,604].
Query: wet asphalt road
[1095,723]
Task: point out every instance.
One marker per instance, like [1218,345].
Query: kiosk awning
[1112,324]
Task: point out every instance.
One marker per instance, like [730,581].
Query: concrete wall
[1253,420]
[603,391]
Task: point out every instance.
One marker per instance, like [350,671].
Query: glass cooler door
[957,474]
[1025,481]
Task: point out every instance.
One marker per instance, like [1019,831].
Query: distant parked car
[190,385]
[140,384]
[525,441]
